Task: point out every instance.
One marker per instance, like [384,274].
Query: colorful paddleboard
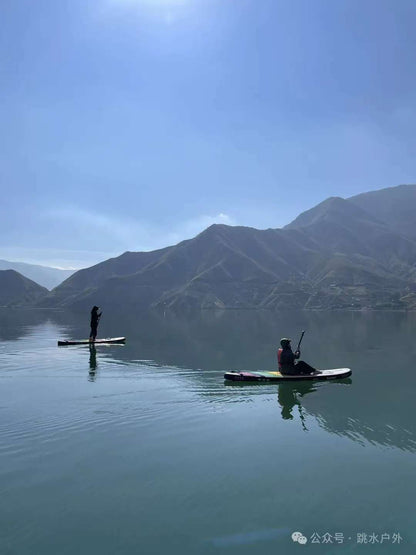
[105,341]
[332,374]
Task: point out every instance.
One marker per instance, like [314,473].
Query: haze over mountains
[343,253]
[43,275]
[16,290]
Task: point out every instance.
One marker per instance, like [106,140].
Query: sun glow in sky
[134,124]
[164,7]
[133,3]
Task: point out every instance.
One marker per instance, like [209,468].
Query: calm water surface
[142,448]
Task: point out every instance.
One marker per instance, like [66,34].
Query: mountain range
[43,275]
[355,253]
[17,290]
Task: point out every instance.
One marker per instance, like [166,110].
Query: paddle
[300,340]
[302,417]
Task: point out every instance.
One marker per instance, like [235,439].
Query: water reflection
[288,398]
[196,349]
[92,363]
[16,323]
[290,394]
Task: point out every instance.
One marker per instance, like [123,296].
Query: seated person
[286,360]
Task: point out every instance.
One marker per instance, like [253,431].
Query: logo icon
[299,538]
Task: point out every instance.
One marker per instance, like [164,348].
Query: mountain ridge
[46,276]
[17,290]
[395,205]
[335,255]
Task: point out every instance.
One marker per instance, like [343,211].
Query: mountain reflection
[16,323]
[375,408]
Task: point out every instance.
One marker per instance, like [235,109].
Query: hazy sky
[133,124]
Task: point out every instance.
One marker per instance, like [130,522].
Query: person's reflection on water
[93,363]
[287,397]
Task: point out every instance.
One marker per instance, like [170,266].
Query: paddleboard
[96,342]
[331,374]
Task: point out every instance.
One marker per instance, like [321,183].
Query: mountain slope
[221,256]
[43,275]
[17,290]
[336,255]
[92,277]
[395,206]
[331,209]
[339,226]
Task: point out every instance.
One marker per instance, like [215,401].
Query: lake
[142,448]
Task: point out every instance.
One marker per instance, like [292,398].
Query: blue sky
[134,124]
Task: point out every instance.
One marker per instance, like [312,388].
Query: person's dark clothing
[302,367]
[95,318]
[286,357]
[94,331]
[286,360]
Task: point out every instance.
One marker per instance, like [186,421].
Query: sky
[135,124]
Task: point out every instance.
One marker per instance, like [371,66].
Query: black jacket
[286,357]
[95,317]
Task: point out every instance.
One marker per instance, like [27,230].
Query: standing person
[286,360]
[95,318]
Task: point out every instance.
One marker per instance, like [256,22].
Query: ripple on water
[56,407]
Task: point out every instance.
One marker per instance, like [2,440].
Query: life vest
[279,358]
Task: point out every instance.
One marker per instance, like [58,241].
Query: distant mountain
[17,290]
[395,206]
[223,266]
[336,255]
[340,226]
[332,209]
[44,275]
